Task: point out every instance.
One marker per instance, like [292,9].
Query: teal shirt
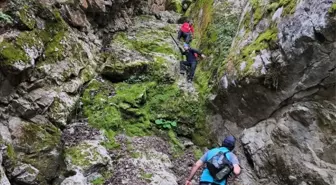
[206,177]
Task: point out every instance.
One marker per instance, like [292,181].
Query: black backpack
[219,166]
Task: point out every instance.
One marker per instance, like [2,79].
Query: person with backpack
[191,62]
[186,31]
[220,162]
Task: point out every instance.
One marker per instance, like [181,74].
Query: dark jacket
[191,54]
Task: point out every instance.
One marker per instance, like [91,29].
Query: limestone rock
[76,18]
[273,87]
[3,178]
[77,179]
[25,173]
[293,140]
[40,139]
[84,152]
[146,163]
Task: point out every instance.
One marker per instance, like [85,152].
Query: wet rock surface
[273,90]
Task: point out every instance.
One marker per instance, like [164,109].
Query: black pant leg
[179,35]
[188,37]
[184,65]
[192,70]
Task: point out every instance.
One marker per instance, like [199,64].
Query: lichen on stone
[10,53]
[25,16]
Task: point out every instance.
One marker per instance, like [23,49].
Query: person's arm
[196,166]
[192,30]
[235,162]
[194,169]
[183,52]
[198,52]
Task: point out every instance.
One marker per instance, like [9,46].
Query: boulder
[87,157]
[77,179]
[274,145]
[145,163]
[25,173]
[3,178]
[36,145]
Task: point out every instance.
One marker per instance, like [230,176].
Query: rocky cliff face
[276,91]
[90,91]
[75,93]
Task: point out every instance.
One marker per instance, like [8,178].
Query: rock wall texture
[90,91]
[276,91]
[79,79]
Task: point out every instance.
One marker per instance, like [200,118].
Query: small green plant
[5,18]
[332,9]
[146,176]
[98,181]
[165,124]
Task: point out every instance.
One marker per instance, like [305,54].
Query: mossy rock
[11,54]
[20,54]
[117,71]
[37,145]
[174,5]
[26,17]
[85,156]
[133,107]
[332,9]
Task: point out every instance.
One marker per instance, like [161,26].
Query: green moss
[273,6]
[82,155]
[111,143]
[135,155]
[55,48]
[10,53]
[289,6]
[174,140]
[11,153]
[175,5]
[134,107]
[29,40]
[147,41]
[258,15]
[116,112]
[332,9]
[87,74]
[201,22]
[262,10]
[216,41]
[265,40]
[198,153]
[53,37]
[146,176]
[25,16]
[98,181]
[38,138]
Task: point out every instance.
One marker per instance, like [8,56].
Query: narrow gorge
[91,91]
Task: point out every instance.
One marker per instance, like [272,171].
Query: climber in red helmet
[186,31]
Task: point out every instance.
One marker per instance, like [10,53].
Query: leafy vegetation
[135,108]
[98,181]
[332,9]
[165,124]
[5,18]
[216,42]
